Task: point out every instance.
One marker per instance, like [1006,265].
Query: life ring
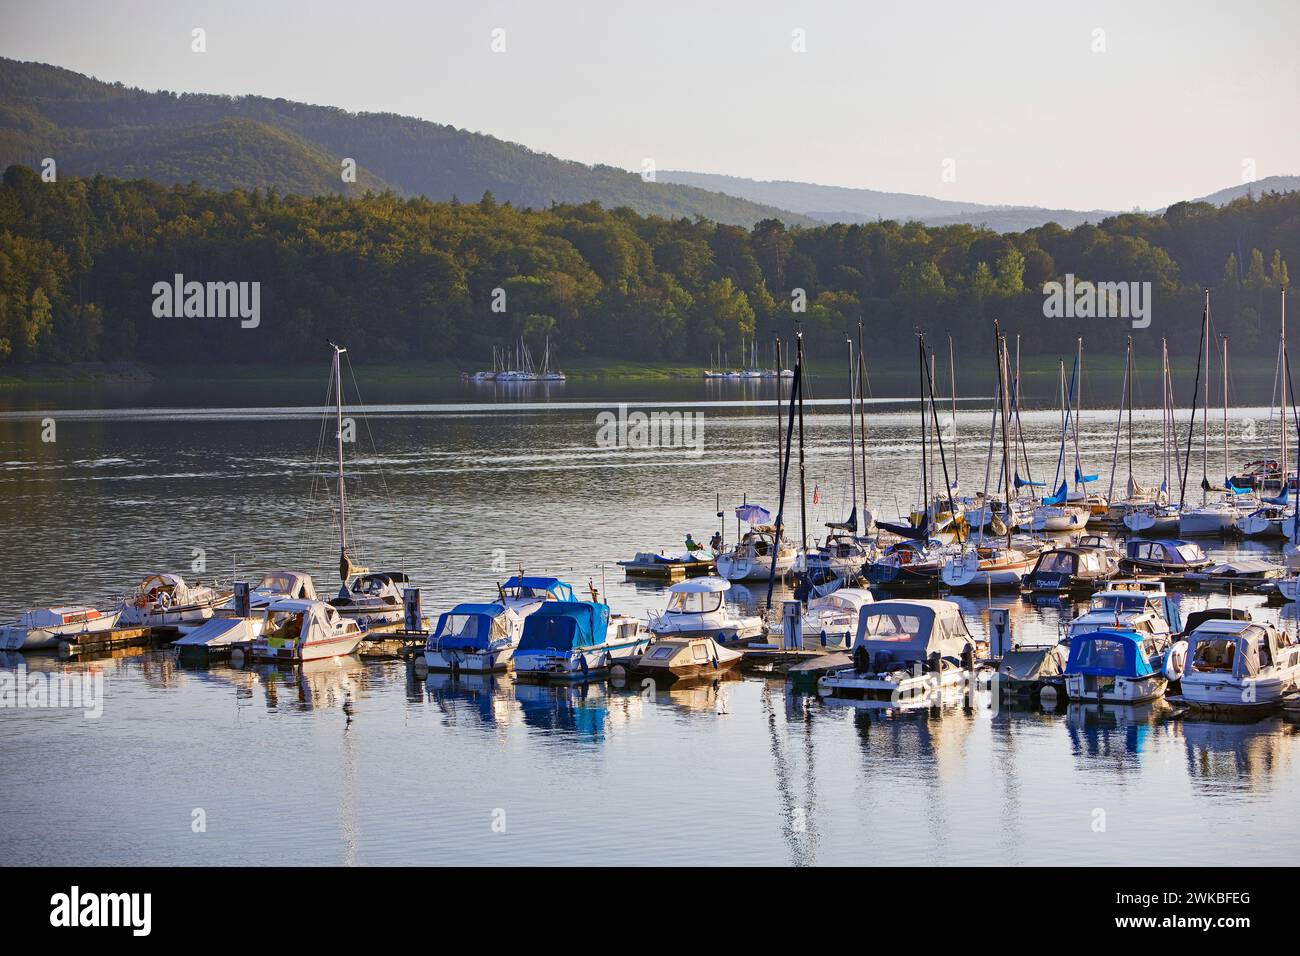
[1176,661]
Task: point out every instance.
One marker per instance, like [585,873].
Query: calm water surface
[360,761]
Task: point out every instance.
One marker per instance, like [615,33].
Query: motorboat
[575,640]
[657,564]
[986,566]
[1070,569]
[1239,666]
[1262,474]
[905,652]
[45,627]
[754,556]
[831,619]
[685,658]
[372,598]
[698,608]
[1237,573]
[1116,666]
[1171,556]
[481,637]
[295,631]
[1128,604]
[165,600]
[1058,517]
[275,586]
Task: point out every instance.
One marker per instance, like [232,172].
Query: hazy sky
[1185,92]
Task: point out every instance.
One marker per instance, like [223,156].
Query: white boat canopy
[908,630]
[708,585]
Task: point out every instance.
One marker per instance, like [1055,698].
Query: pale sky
[1184,94]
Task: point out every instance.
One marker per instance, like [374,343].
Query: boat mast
[952,381]
[1078,410]
[862,424]
[1128,375]
[1225,414]
[338,434]
[1205,405]
[925,478]
[1282,405]
[1000,348]
[853,451]
[803,494]
[778,416]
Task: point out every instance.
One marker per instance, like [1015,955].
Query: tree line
[407,278]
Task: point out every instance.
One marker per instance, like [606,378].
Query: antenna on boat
[345,563]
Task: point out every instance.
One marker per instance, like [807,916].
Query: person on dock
[715,543]
[691,544]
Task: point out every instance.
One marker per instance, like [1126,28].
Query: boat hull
[470,660]
[1115,690]
[1206,523]
[578,664]
[19,637]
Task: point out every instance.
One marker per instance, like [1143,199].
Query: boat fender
[1176,661]
[935,662]
[823,637]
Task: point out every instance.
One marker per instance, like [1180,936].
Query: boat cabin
[1167,556]
[893,634]
[1062,569]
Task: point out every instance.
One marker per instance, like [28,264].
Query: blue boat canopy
[561,590]
[468,627]
[1110,653]
[564,626]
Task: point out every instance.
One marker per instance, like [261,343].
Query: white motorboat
[1132,604]
[831,620]
[1116,665]
[43,628]
[372,598]
[698,608]
[275,586]
[165,600]
[1265,522]
[482,637]
[1235,665]
[576,640]
[905,653]
[296,631]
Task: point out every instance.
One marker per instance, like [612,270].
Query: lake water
[361,761]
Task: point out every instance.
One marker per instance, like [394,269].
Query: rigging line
[1191,422]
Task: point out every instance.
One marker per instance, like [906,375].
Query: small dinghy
[165,600]
[683,658]
[906,653]
[649,564]
[1163,557]
[218,636]
[698,608]
[1026,670]
[576,640]
[43,628]
[1239,666]
[297,631]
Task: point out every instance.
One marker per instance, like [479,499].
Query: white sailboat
[1218,515]
[371,598]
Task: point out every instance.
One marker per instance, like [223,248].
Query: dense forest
[410,278]
[91,127]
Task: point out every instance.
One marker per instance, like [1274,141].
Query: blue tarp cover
[475,637]
[557,587]
[1109,653]
[565,625]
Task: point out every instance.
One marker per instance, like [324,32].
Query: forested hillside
[403,277]
[90,127]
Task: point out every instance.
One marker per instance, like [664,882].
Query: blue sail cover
[565,626]
[1109,653]
[1234,489]
[906,530]
[561,590]
[1080,478]
[1021,483]
[467,627]
[1282,498]
[1059,497]
[754,514]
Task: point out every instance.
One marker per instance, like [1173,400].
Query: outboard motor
[861,660]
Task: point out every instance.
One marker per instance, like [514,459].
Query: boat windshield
[284,624]
[1189,552]
[1101,653]
[1119,602]
[892,627]
[1215,655]
[1057,562]
[694,602]
[275,584]
[470,626]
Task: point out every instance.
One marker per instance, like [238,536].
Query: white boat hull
[1144,522]
[320,650]
[475,662]
[753,567]
[1206,522]
[20,637]
[966,572]
[1072,520]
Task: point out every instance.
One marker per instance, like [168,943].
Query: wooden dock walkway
[98,642]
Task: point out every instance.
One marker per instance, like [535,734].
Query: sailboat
[1159,517]
[1214,515]
[986,564]
[1270,520]
[1054,512]
[371,598]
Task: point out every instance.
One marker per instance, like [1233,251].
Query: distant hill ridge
[248,142]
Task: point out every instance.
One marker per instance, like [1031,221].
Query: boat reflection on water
[486,698]
[698,695]
[1117,731]
[583,711]
[1224,756]
[335,682]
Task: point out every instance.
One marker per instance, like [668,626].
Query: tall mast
[1205,405]
[338,434]
[1282,437]
[853,451]
[1000,346]
[925,478]
[1078,410]
[1225,413]
[1128,375]
[803,511]
[779,470]
[952,381]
